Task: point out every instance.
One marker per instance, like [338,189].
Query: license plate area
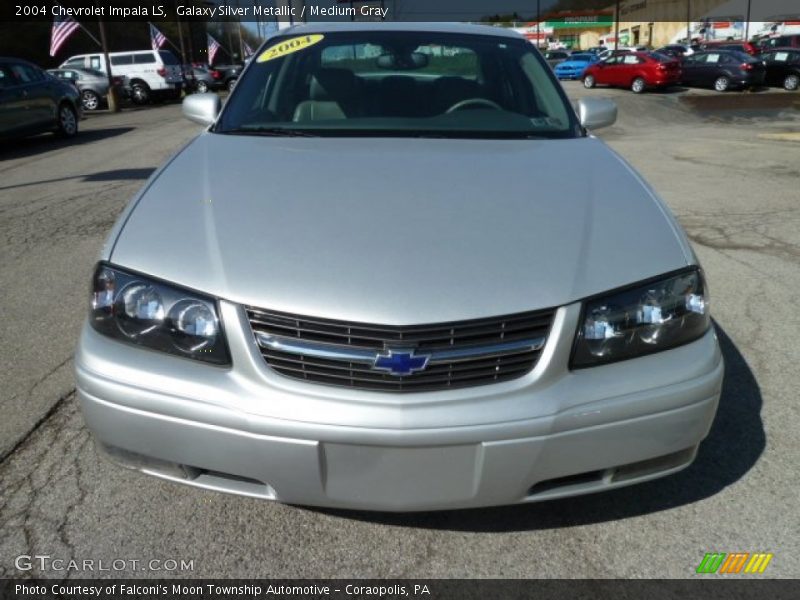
[401,477]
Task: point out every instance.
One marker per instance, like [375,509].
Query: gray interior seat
[332,95]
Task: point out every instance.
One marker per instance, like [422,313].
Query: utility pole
[616,26]
[239,27]
[113,105]
[538,22]
[747,23]
[230,41]
[180,35]
[688,22]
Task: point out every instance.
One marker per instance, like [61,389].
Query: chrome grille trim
[359,355]
[343,353]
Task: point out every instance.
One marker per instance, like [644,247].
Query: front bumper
[570,74]
[550,434]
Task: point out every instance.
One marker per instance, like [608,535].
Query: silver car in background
[419,284]
[92,84]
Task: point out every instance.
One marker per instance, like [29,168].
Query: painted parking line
[781,137]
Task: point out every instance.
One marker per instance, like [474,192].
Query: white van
[151,73]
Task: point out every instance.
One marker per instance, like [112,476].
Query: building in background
[655,24]
[569,29]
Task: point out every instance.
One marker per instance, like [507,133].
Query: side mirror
[202,108]
[595,113]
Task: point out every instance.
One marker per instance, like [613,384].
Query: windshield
[393,83]
[582,57]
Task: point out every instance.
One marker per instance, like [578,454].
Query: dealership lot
[729,175]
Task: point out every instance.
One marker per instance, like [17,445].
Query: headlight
[642,319]
[142,311]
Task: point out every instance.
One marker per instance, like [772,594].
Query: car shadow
[734,444]
[47,142]
[113,175]
[666,91]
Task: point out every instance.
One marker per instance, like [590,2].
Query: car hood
[398,231]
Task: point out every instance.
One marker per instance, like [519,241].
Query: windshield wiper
[269,131]
[399,133]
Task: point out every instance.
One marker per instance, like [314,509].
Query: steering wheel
[473,101]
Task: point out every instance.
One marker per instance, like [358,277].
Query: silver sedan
[412,280]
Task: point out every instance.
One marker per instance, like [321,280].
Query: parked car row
[34,101]
[203,78]
[145,75]
[720,69]
[556,57]
[152,73]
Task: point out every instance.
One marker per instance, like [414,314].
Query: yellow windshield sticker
[288,46]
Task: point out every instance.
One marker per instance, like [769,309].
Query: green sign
[578,22]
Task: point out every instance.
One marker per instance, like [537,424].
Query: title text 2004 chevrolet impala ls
[399,296]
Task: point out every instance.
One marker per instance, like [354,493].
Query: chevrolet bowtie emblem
[401,362]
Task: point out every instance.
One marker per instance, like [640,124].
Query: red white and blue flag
[157,38]
[248,51]
[213,47]
[63,27]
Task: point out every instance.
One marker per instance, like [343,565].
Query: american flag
[213,46]
[248,51]
[62,29]
[157,38]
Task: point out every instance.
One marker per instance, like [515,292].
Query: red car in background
[635,70]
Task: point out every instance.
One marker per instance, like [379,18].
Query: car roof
[14,59]
[740,54]
[114,53]
[718,50]
[81,69]
[464,28]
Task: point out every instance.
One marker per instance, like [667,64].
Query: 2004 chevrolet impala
[376,282]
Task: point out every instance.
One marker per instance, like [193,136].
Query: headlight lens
[642,319]
[142,311]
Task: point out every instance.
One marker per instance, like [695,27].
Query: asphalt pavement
[731,177]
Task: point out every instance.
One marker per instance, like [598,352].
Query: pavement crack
[40,381]
[41,421]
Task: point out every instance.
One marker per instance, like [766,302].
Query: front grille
[507,335]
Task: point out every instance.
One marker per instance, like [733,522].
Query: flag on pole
[213,46]
[157,38]
[248,51]
[63,27]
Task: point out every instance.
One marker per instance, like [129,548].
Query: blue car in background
[574,67]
